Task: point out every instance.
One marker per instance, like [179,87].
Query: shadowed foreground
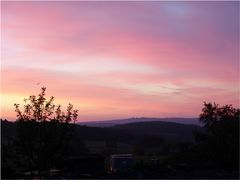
[43,143]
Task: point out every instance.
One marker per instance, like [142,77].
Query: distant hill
[109,123]
[124,132]
[166,130]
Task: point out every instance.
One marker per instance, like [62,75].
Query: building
[121,162]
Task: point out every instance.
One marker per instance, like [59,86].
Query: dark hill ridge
[167,130]
[125,132]
[109,123]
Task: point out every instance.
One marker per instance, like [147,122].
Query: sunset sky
[115,60]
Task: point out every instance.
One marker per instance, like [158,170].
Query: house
[121,162]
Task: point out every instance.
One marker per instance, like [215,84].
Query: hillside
[125,132]
[109,123]
[166,130]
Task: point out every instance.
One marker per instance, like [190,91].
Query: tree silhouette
[219,144]
[43,132]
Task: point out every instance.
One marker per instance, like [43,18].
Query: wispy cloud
[120,59]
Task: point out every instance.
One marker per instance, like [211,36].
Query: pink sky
[121,59]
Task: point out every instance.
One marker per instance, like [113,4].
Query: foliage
[219,144]
[43,131]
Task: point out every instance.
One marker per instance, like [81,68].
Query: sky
[115,60]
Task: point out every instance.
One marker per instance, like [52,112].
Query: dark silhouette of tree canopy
[39,109]
[219,144]
[43,132]
[212,114]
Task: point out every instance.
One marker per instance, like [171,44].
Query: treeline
[44,136]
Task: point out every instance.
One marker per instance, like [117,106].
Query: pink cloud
[130,58]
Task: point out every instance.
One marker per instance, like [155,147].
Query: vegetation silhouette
[44,138]
[215,151]
[219,144]
[44,132]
